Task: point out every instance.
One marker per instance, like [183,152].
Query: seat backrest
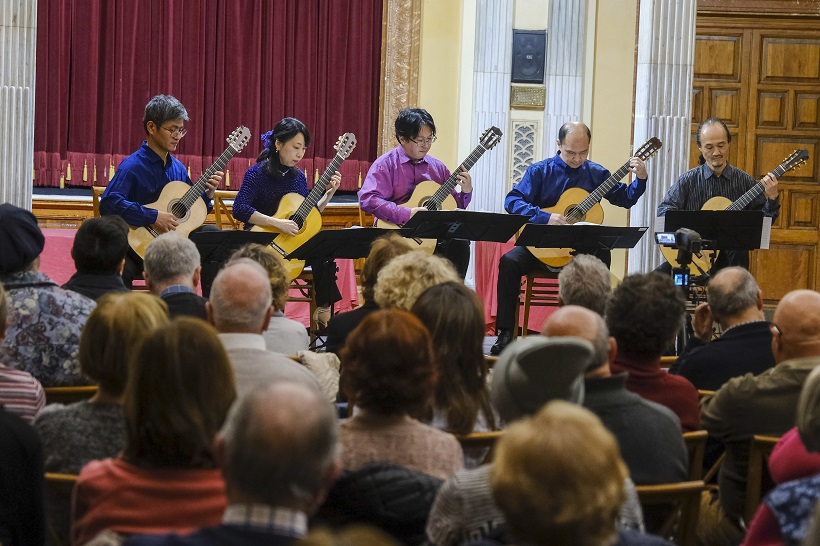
[476,441]
[696,446]
[69,395]
[758,480]
[58,507]
[681,521]
[96,192]
[667,361]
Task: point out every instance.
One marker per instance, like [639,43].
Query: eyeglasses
[179,132]
[424,141]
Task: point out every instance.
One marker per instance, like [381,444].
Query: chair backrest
[476,441]
[221,208]
[696,446]
[704,393]
[68,395]
[758,480]
[681,522]
[96,192]
[58,507]
[667,361]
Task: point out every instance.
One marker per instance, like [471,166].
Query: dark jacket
[94,285]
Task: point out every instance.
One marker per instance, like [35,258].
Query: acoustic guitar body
[559,257]
[284,243]
[421,195]
[140,237]
[705,260]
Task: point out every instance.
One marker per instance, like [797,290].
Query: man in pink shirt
[393,177]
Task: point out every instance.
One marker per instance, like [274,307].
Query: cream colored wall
[440,74]
[531,14]
[611,90]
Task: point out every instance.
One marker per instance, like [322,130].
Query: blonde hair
[403,280]
[558,477]
[113,331]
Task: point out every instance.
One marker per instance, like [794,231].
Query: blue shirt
[139,180]
[545,182]
[262,192]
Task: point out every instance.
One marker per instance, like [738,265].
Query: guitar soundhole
[179,210]
[427,204]
[574,214]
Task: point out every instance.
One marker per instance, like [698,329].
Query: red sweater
[648,379]
[113,494]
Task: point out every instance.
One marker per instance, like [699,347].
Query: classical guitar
[184,201]
[435,196]
[578,205]
[703,261]
[303,211]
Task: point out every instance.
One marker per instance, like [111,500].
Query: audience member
[384,249]
[94,429]
[529,373]
[541,480]
[172,268]
[22,509]
[644,315]
[240,309]
[20,393]
[454,315]
[764,404]
[785,513]
[402,280]
[179,389]
[278,453]
[745,346]
[283,335]
[649,434]
[99,252]
[585,281]
[45,320]
[391,374]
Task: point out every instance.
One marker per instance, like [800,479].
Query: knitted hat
[535,370]
[20,238]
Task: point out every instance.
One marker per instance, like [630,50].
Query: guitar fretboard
[317,192]
[744,200]
[434,203]
[181,208]
[580,210]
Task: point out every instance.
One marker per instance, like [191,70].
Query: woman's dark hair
[390,366]
[410,121]
[454,315]
[180,386]
[283,132]
[703,124]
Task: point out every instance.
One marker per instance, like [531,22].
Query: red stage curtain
[230,63]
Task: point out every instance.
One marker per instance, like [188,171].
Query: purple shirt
[391,180]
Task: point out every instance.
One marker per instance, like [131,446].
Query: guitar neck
[318,191]
[595,197]
[434,203]
[752,193]
[198,189]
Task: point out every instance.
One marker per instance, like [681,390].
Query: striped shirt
[20,393]
[700,184]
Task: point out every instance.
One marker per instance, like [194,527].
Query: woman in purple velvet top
[274,175]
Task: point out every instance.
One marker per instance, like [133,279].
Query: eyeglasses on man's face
[176,132]
[424,141]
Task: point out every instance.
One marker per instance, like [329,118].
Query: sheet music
[660,224]
[766,232]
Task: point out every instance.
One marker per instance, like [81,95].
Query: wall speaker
[529,56]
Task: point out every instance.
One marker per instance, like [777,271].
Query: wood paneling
[768,68]
[760,8]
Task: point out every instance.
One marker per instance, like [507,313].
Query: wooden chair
[539,290]
[306,294]
[221,209]
[480,440]
[696,446]
[490,360]
[68,395]
[681,522]
[704,393]
[667,361]
[58,507]
[758,480]
[96,192]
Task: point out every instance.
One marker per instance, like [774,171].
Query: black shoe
[504,338]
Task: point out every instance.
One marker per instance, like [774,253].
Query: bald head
[278,446]
[797,319]
[240,299]
[576,321]
[734,297]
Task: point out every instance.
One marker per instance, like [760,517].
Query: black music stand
[587,238]
[720,229]
[215,247]
[349,243]
[463,224]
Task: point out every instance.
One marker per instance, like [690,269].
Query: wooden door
[761,75]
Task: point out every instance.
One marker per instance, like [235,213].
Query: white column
[566,40]
[663,108]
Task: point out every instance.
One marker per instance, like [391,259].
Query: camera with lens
[688,241]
